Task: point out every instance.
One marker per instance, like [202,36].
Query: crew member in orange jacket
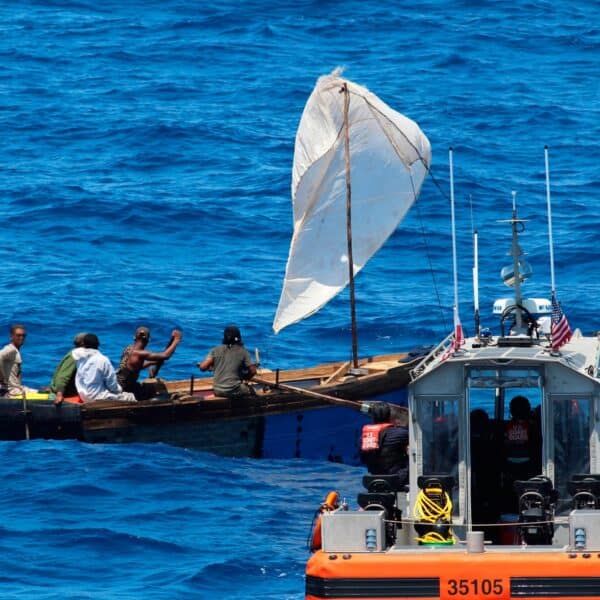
[384,445]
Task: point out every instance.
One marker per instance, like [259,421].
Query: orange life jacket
[371,433]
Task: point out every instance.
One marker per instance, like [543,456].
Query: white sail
[389,159]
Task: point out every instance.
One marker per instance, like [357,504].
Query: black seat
[443,481]
[539,485]
[384,483]
[537,497]
[382,494]
[585,489]
[377,500]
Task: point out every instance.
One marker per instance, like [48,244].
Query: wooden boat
[311,412]
[491,510]
[292,413]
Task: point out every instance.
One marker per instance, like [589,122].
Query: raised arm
[166,353]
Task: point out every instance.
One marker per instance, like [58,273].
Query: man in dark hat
[62,384]
[135,358]
[231,364]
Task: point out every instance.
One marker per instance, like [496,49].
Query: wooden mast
[349,226]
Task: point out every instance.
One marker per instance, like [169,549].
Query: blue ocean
[146,155]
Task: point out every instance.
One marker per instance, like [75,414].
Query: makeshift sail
[389,159]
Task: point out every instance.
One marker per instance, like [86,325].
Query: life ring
[331,503]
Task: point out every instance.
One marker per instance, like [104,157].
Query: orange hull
[454,574]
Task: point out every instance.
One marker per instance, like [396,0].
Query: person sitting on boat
[231,364]
[62,384]
[522,445]
[384,445]
[11,364]
[96,378]
[135,358]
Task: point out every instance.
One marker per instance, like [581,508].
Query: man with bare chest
[135,358]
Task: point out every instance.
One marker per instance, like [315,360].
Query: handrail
[444,346]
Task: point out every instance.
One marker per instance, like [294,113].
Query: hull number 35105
[475,588]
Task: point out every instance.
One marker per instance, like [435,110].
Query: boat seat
[445,482]
[377,500]
[536,509]
[384,483]
[539,486]
[385,501]
[384,492]
[585,490]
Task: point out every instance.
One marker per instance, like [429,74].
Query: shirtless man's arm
[141,359]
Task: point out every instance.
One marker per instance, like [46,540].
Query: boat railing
[445,346]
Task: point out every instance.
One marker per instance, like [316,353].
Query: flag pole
[458,333]
[349,226]
[560,332]
[454,269]
[549,208]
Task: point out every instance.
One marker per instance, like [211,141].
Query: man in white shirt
[96,378]
[11,364]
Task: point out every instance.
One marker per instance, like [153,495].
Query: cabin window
[439,427]
[571,417]
[504,377]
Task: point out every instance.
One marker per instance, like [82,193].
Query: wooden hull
[273,422]
[448,574]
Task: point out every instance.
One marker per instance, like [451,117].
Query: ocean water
[146,165]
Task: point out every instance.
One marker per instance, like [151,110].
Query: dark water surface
[146,156]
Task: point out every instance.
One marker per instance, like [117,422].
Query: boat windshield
[503,377]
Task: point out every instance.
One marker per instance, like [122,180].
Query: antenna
[516,252]
[552,288]
[475,271]
[476,281]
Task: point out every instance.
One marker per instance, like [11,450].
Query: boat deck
[328,374]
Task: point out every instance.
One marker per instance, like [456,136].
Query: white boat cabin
[460,422]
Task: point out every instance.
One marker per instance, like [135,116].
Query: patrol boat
[473,522]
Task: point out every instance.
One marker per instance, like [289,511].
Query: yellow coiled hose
[428,511]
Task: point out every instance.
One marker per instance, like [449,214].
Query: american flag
[458,331]
[561,332]
[458,340]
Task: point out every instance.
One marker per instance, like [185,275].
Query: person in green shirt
[63,381]
[231,364]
